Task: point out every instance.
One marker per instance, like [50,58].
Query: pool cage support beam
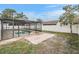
[1,30]
[41,26]
[35,26]
[18,30]
[13,28]
[29,27]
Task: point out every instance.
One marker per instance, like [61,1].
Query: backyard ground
[59,44]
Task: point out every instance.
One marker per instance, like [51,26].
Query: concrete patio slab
[36,39]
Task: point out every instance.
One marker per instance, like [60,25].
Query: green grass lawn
[24,47]
[72,41]
[16,47]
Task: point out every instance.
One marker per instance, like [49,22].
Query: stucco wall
[63,28]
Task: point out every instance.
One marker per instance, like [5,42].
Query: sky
[34,11]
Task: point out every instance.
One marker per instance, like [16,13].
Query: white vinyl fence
[63,28]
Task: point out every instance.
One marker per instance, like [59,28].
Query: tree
[68,16]
[20,15]
[76,8]
[8,13]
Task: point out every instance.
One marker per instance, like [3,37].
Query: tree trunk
[70,28]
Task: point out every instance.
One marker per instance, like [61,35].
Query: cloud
[34,15]
[53,14]
[30,15]
[50,15]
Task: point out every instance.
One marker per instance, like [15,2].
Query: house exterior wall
[63,28]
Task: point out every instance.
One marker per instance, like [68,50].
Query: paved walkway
[10,40]
[34,39]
